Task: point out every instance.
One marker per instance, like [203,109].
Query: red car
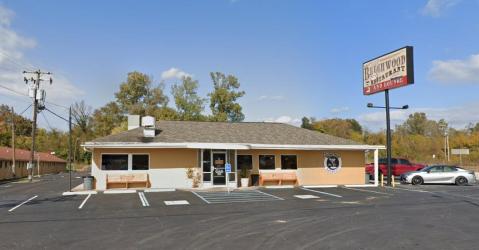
[399,166]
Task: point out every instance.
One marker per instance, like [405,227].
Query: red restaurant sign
[392,70]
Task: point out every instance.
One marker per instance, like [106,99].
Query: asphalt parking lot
[37,215]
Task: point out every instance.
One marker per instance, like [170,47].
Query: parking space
[41,211]
[212,197]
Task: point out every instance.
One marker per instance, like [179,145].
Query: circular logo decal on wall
[332,162]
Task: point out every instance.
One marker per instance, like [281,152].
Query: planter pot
[244,182]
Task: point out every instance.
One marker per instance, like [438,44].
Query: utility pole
[34,87]
[70,145]
[13,143]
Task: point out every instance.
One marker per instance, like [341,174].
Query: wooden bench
[278,177]
[127,179]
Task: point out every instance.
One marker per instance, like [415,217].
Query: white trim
[79,193]
[360,185]
[238,146]
[157,190]
[280,187]
[320,186]
[125,191]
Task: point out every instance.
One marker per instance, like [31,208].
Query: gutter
[237,146]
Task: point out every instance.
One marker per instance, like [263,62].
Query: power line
[14,91]
[25,109]
[46,120]
[19,64]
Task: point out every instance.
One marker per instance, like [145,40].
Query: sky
[292,58]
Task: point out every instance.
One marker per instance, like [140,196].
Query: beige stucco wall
[311,169]
[159,158]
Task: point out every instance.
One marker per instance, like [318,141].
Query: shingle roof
[228,132]
[24,155]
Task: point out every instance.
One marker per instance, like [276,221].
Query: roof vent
[133,121]
[148,123]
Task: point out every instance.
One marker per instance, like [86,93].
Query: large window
[289,162]
[245,161]
[140,162]
[266,162]
[114,162]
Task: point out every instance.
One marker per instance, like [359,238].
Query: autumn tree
[188,103]
[106,118]
[138,96]
[223,99]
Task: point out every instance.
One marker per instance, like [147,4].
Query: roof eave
[238,146]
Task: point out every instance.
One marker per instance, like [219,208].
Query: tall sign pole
[70,146]
[388,137]
[389,71]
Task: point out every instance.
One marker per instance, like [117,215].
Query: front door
[219,175]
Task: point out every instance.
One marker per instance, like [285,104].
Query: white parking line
[201,197]
[407,189]
[279,198]
[369,191]
[179,202]
[84,201]
[319,192]
[143,199]
[306,196]
[17,206]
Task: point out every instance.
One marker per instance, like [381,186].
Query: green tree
[307,122]
[138,96]
[106,118]
[223,99]
[188,104]
[345,128]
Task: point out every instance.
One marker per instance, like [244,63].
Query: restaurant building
[186,154]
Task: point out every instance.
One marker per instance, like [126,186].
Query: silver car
[440,174]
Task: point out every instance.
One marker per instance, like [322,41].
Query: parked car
[440,174]
[399,166]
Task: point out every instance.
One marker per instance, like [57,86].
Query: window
[140,162]
[266,162]
[289,162]
[449,169]
[114,162]
[245,161]
[404,162]
[436,169]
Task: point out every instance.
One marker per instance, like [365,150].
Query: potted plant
[244,177]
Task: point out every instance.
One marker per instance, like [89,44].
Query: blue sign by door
[228,168]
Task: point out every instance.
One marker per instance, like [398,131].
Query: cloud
[13,63]
[271,98]
[339,110]
[435,8]
[456,71]
[458,117]
[285,119]
[174,73]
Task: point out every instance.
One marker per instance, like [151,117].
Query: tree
[188,104]
[223,99]
[138,96]
[345,128]
[307,123]
[81,114]
[106,118]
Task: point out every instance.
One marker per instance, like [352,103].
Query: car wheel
[461,181]
[417,180]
